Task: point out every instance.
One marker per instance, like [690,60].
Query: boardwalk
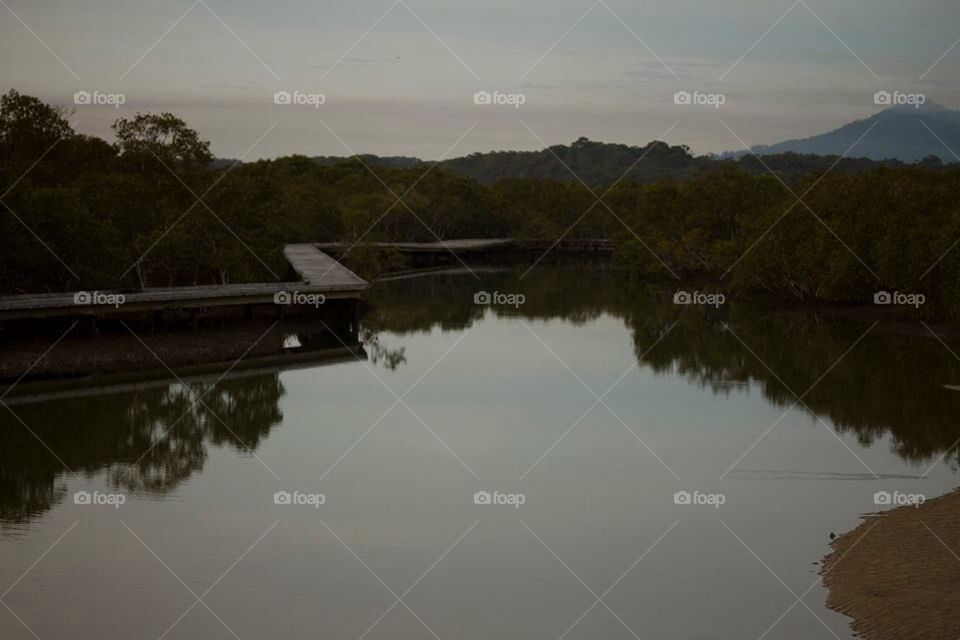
[316,268]
[443,246]
[475,245]
[319,273]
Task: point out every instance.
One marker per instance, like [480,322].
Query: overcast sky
[399,77]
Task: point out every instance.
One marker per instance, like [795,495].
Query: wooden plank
[318,269]
[455,246]
[321,275]
[468,245]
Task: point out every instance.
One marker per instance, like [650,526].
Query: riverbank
[898,573]
[107,347]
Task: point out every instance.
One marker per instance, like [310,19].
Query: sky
[399,77]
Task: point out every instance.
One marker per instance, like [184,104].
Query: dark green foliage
[154,209]
[600,163]
[596,163]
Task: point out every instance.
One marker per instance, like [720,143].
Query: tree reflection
[890,384]
[146,441]
[152,439]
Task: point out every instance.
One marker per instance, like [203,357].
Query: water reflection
[146,441]
[151,438]
[891,383]
[148,437]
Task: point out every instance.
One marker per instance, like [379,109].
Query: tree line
[603,163]
[154,208]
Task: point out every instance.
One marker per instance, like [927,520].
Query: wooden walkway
[443,246]
[319,273]
[316,268]
[475,245]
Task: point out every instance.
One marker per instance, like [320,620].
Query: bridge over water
[475,245]
[313,272]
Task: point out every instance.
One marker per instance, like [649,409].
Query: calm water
[492,398]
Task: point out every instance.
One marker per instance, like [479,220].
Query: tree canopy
[153,208]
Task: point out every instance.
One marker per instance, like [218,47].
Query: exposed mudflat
[898,573]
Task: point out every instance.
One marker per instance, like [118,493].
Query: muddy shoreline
[897,574]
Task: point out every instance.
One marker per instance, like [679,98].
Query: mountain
[898,133]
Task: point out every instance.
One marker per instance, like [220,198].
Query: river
[581,458]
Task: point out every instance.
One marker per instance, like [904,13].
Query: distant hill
[391,162]
[603,163]
[898,137]
[594,162]
[899,133]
